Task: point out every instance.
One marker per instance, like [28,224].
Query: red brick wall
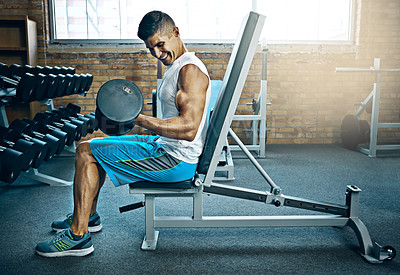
[308,98]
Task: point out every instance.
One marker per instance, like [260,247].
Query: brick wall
[308,98]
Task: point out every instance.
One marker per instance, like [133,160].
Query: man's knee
[83,150]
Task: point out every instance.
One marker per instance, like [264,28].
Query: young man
[169,156]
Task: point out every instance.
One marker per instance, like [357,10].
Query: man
[169,156]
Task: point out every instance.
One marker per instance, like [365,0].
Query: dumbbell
[47,121]
[48,70]
[71,112]
[118,103]
[62,116]
[50,86]
[10,164]
[59,70]
[25,87]
[54,139]
[40,146]
[17,70]
[74,111]
[92,116]
[69,89]
[86,82]
[41,81]
[89,81]
[10,139]
[4,69]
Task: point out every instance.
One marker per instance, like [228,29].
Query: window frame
[215,42]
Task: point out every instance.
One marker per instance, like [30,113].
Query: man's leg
[87,183]
[89,178]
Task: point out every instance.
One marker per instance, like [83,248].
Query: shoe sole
[78,253]
[92,229]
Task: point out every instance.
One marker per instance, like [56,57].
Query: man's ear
[176,31]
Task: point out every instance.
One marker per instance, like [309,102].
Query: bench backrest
[232,85]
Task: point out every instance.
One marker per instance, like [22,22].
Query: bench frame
[334,215]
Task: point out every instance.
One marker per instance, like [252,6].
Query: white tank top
[188,151]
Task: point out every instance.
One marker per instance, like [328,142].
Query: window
[202,21]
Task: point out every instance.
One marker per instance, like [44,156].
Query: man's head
[155,21]
[161,36]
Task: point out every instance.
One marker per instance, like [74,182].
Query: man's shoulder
[192,61]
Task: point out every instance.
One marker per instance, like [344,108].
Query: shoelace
[59,236]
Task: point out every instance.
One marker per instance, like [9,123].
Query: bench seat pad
[187,184]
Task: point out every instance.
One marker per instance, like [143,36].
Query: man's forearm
[175,127]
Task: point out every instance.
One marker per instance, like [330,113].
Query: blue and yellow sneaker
[94,223]
[64,244]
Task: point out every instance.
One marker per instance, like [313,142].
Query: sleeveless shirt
[187,151]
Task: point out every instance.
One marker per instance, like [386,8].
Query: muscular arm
[190,102]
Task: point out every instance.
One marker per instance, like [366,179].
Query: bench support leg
[150,240]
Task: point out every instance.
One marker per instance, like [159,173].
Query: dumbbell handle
[9,80]
[9,143]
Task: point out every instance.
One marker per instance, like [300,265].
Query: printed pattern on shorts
[132,158]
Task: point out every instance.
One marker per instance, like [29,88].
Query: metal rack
[34,173]
[375,97]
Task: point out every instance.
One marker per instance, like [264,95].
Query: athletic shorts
[132,158]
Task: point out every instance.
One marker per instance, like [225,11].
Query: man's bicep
[192,84]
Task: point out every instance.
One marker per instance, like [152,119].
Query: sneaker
[94,223]
[63,244]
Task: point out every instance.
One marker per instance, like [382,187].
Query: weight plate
[120,101]
[350,131]
[364,131]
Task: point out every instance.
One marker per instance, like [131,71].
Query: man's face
[164,46]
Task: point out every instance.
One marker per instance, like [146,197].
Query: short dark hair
[152,22]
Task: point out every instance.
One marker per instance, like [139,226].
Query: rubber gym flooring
[317,172]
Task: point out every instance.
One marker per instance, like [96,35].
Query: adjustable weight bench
[218,129]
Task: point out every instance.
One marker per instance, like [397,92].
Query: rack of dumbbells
[27,143]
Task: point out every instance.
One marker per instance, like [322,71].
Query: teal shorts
[131,158]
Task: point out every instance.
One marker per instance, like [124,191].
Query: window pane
[306,19]
[204,20]
[110,19]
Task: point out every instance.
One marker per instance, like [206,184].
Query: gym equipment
[62,85]
[373,99]
[18,70]
[62,115]
[41,147]
[10,164]
[10,139]
[350,131]
[354,131]
[92,117]
[51,131]
[118,103]
[89,81]
[258,130]
[24,88]
[46,121]
[42,87]
[70,85]
[54,139]
[73,111]
[335,215]
[51,81]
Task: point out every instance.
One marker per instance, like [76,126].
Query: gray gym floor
[318,172]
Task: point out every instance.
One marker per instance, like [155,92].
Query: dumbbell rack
[34,173]
[375,96]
